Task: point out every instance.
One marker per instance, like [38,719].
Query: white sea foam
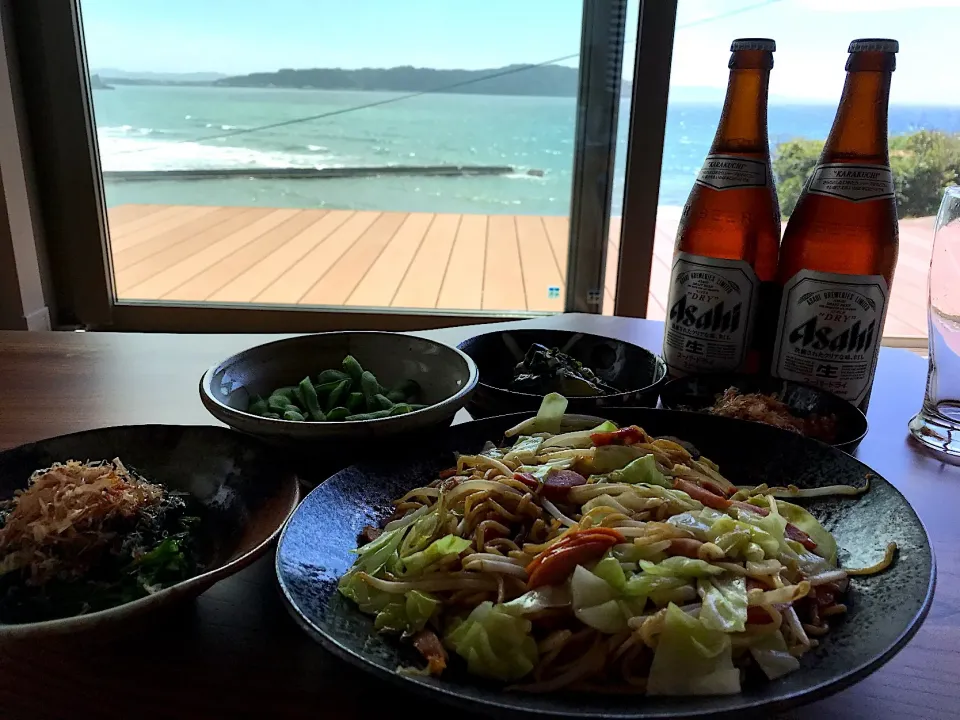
[132,151]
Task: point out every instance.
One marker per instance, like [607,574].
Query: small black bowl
[639,372]
[698,392]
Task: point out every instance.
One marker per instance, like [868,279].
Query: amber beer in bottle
[725,257]
[840,247]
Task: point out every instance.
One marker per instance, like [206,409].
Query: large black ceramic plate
[885,611]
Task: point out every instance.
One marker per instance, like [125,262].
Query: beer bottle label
[711,309]
[852,182]
[725,172]
[829,331]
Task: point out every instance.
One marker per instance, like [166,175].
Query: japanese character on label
[827,371]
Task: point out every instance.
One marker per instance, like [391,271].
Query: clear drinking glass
[937,425]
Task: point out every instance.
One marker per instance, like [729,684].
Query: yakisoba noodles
[600,558]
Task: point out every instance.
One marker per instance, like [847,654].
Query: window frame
[58,107]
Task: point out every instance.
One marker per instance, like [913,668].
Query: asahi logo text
[716,318]
[850,340]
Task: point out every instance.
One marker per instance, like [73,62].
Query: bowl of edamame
[340,386]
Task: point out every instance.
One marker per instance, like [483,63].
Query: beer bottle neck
[743,124]
[860,128]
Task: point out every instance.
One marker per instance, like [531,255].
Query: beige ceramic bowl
[446,375]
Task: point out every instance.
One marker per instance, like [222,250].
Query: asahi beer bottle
[840,247]
[725,257]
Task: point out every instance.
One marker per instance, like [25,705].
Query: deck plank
[170,224]
[119,215]
[540,270]
[462,287]
[380,283]
[166,212]
[130,271]
[420,286]
[336,285]
[291,286]
[229,260]
[173,264]
[503,287]
[125,257]
[252,282]
[558,232]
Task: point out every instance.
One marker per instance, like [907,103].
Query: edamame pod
[293,415]
[355,402]
[369,416]
[310,398]
[399,409]
[337,414]
[339,395]
[352,368]
[382,402]
[331,376]
[370,389]
[257,406]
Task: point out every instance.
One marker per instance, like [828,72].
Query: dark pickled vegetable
[545,370]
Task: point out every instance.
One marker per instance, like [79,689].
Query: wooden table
[235,652]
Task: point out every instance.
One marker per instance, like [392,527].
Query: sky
[241,36]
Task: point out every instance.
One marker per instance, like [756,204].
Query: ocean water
[161,128]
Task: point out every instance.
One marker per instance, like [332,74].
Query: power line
[441,88]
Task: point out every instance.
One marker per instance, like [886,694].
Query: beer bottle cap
[874,45]
[753,44]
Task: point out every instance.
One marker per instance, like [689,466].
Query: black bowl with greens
[518,367]
[102,526]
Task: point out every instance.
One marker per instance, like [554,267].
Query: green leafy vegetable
[600,599]
[692,659]
[550,413]
[771,654]
[642,470]
[447,546]
[724,605]
[495,643]
[525,449]
[681,567]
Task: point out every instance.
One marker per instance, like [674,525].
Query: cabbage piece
[811,564]
[423,530]
[798,516]
[373,556]
[539,599]
[771,654]
[579,438]
[609,570]
[368,598]
[642,470]
[681,567]
[630,553]
[495,643]
[724,605]
[599,599]
[407,614]
[658,588]
[691,659]
[540,472]
[434,552]
[770,544]
[608,458]
[550,414]
[524,450]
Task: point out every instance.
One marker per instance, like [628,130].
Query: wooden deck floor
[402,260]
